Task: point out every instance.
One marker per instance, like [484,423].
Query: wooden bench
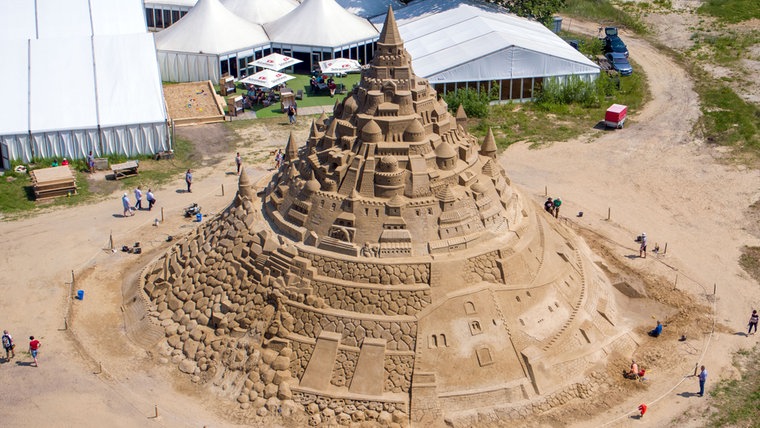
[124,170]
[53,182]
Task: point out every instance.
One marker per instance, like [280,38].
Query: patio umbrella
[339,65]
[267,78]
[275,61]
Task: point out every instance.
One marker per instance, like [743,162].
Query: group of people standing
[552,206]
[129,210]
[10,347]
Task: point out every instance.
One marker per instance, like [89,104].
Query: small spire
[489,145]
[291,150]
[460,113]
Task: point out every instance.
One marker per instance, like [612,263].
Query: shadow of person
[636,416]
[25,363]
[687,394]
[741,333]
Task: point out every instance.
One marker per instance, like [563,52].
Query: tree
[540,10]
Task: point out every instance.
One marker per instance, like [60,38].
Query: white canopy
[339,65]
[275,61]
[260,11]
[369,8]
[267,78]
[90,83]
[322,23]
[454,41]
[191,49]
[209,28]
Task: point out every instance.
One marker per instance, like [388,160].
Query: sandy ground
[652,176]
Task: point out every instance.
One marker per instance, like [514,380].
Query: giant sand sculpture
[388,272]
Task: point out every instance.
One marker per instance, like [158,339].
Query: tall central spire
[390,35]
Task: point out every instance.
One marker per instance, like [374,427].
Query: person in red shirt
[642,409]
[34,346]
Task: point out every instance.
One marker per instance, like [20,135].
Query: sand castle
[389,272]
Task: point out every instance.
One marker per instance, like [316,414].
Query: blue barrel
[198,217]
[80,294]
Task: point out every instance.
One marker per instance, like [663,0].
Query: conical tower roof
[390,34]
[489,145]
[291,150]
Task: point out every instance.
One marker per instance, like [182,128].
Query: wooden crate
[124,170]
[53,182]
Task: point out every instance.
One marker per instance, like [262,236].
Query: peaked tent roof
[260,11]
[472,41]
[369,8]
[336,26]
[210,28]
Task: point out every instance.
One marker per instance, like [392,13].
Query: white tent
[320,23]
[207,43]
[455,44]
[369,8]
[79,77]
[260,11]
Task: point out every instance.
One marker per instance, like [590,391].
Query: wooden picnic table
[53,182]
[124,170]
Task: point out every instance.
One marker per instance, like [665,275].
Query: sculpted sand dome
[389,271]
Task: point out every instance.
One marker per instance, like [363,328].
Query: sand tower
[388,272]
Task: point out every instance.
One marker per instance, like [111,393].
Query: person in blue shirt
[702,380]
[657,330]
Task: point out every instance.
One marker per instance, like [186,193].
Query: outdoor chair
[299,94]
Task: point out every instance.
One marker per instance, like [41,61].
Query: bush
[573,91]
[475,103]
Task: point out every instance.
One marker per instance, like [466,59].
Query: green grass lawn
[309,100]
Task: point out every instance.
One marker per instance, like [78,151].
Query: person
[292,113]
[54,163]
[643,247]
[91,162]
[238,162]
[657,330]
[278,157]
[634,373]
[189,180]
[151,199]
[331,86]
[549,205]
[65,162]
[8,345]
[127,208]
[557,203]
[138,198]
[34,347]
[642,410]
[702,380]
[313,85]
[753,322]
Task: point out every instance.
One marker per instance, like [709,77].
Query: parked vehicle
[620,63]
[615,44]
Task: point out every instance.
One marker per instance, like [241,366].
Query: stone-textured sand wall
[371,300]
[369,273]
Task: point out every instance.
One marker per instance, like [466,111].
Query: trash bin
[198,217]
[80,294]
